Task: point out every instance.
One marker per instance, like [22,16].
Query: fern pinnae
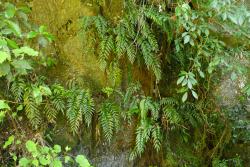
[32,110]
[17,89]
[50,112]
[157,137]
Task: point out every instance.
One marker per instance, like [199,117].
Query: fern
[50,112]
[132,37]
[58,98]
[17,89]
[142,137]
[73,114]
[86,105]
[109,119]
[32,110]
[157,137]
[105,49]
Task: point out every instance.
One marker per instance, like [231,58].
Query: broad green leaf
[57,148]
[25,50]
[18,142]
[2,115]
[4,56]
[194,94]
[4,69]
[82,161]
[12,44]
[45,150]
[184,82]
[67,159]
[190,86]
[184,97]
[202,75]
[20,108]
[180,80]
[186,39]
[142,108]
[24,162]
[10,10]
[31,146]
[44,161]
[32,34]
[35,162]
[9,142]
[4,105]
[56,163]
[191,42]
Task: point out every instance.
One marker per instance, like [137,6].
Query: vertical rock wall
[62,17]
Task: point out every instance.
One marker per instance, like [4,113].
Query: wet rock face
[62,17]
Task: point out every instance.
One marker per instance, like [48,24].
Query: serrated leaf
[21,65]
[4,56]
[184,97]
[14,28]
[25,50]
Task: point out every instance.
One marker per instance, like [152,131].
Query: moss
[62,17]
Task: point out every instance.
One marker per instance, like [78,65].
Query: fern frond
[74,116]
[109,119]
[151,61]
[58,98]
[106,47]
[168,101]
[142,136]
[50,112]
[172,115]
[131,52]
[100,25]
[32,110]
[86,105]
[17,89]
[157,137]
[121,40]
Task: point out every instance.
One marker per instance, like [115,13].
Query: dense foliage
[185,45]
